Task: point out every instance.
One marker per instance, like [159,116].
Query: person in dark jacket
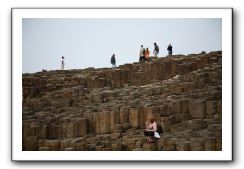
[113,61]
[169,48]
[156,50]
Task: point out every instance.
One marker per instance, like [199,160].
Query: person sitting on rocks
[151,129]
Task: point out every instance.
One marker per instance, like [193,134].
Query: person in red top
[147,53]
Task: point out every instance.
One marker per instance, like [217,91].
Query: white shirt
[141,51]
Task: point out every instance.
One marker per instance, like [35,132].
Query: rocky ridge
[106,109]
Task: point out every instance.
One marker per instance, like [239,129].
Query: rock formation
[106,109]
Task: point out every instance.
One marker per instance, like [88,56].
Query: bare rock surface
[106,109]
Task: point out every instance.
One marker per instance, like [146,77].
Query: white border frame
[18,155]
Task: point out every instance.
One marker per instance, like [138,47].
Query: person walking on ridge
[147,54]
[62,63]
[169,48]
[156,50]
[142,54]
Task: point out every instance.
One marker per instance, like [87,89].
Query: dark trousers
[142,59]
[149,133]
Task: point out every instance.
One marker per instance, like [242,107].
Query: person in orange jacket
[147,54]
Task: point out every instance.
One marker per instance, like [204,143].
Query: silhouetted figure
[156,50]
[142,54]
[169,48]
[113,61]
[62,63]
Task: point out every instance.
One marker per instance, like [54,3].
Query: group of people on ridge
[145,53]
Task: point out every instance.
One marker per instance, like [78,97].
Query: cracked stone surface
[106,109]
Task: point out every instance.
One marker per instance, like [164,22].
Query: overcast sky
[91,42]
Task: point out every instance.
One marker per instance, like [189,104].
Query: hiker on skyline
[147,54]
[169,48]
[113,61]
[142,54]
[62,63]
[156,50]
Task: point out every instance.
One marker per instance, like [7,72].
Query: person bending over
[151,128]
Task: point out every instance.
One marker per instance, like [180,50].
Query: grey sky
[91,42]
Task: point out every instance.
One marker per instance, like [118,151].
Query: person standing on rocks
[156,50]
[169,48]
[142,54]
[151,129]
[113,61]
[147,54]
[62,63]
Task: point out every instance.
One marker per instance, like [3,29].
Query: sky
[90,42]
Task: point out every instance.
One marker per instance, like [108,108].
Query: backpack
[159,129]
[157,48]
